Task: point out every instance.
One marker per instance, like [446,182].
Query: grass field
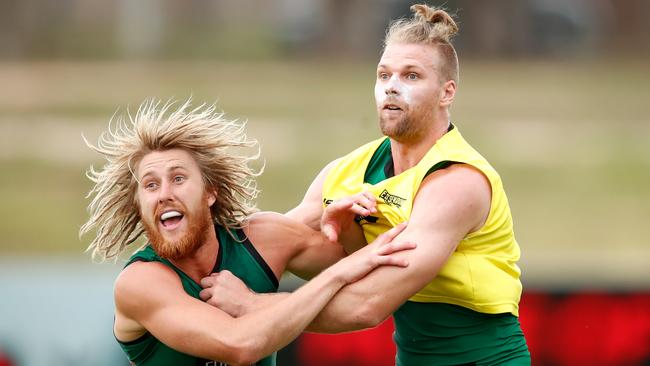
[569,139]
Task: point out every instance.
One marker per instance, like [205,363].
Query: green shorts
[444,334]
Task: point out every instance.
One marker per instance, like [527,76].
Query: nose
[165,192]
[391,91]
[391,87]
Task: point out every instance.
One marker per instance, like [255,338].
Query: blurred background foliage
[555,94]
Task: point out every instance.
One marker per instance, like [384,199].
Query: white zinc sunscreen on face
[402,91]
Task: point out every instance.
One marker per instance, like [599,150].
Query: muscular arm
[287,244]
[450,204]
[310,209]
[194,327]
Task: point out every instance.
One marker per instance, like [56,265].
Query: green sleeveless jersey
[242,260]
[438,333]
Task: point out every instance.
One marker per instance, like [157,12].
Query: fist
[227,292]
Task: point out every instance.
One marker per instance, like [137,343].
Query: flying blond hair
[428,26]
[217,145]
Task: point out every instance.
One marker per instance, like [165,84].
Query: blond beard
[411,126]
[401,129]
[197,229]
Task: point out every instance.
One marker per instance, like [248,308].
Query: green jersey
[240,258]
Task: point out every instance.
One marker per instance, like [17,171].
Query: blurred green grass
[569,138]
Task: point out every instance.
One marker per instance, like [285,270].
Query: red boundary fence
[587,328]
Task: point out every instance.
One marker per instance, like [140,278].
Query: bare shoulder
[135,297]
[140,272]
[317,184]
[278,238]
[330,165]
[459,190]
[310,208]
[267,222]
[133,287]
[322,176]
[313,194]
[267,228]
[457,178]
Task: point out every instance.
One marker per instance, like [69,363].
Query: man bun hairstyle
[441,23]
[428,26]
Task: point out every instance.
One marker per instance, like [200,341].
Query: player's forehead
[407,55]
[161,162]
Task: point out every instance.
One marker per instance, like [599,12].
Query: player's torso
[482,261]
[236,255]
[454,314]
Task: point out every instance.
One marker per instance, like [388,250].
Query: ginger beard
[198,224]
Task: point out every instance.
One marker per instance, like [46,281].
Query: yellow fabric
[482,273]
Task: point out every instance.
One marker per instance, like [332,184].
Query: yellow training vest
[482,273]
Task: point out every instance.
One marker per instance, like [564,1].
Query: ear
[212,197]
[447,93]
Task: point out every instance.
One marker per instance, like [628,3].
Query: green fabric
[233,256]
[445,334]
[375,172]
[377,166]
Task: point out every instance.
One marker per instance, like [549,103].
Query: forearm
[280,318]
[336,317]
[348,311]
[315,257]
[258,302]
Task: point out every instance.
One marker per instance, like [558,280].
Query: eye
[383,76]
[412,76]
[179,179]
[150,186]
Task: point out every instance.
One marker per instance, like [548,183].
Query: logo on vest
[391,199]
[357,218]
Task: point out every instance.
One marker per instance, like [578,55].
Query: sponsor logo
[391,199]
[358,218]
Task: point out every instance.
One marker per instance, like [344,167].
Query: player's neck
[201,262]
[408,153]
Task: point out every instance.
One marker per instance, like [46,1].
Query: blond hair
[428,26]
[201,131]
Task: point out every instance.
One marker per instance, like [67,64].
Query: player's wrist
[251,302]
[335,275]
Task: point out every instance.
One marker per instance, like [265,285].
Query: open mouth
[170,219]
[392,107]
